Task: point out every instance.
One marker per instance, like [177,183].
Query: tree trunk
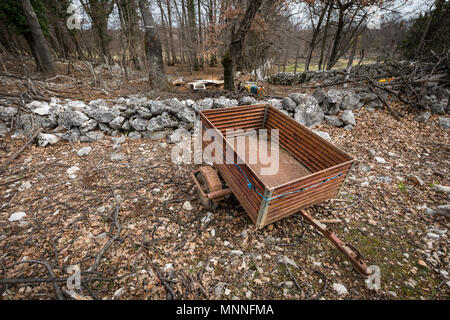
[157,75]
[228,71]
[325,35]
[193,33]
[352,55]
[296,61]
[237,43]
[234,55]
[337,40]
[361,59]
[169,22]
[164,35]
[128,10]
[99,13]
[38,44]
[285,60]
[316,31]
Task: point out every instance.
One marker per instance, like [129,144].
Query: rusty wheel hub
[209,182]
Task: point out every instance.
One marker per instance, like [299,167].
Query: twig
[170,293]
[292,277]
[57,289]
[324,287]
[18,152]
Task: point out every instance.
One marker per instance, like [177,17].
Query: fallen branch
[18,152]
[57,289]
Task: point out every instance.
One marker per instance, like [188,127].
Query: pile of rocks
[335,107]
[372,70]
[432,96]
[143,118]
[78,121]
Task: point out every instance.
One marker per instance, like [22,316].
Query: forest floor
[136,228]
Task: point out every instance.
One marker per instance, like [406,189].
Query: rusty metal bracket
[266,111]
[212,195]
[350,252]
[265,201]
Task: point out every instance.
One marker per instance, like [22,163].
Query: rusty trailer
[311,170]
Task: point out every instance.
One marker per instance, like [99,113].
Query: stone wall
[139,117]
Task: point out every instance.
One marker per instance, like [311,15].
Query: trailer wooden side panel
[265,204]
[236,177]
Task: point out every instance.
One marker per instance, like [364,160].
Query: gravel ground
[135,227]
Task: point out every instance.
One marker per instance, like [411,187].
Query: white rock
[433,236]
[443,210]
[187,206]
[286,260]
[380,160]
[43,110]
[438,187]
[17,216]
[24,186]
[323,135]
[392,293]
[218,290]
[84,151]
[392,155]
[117,157]
[207,219]
[44,139]
[71,172]
[236,253]
[168,267]
[340,289]
[118,293]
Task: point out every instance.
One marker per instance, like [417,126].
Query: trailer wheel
[210,182]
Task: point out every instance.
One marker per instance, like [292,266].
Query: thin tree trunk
[234,55]
[169,22]
[337,39]
[181,34]
[285,60]
[316,31]
[38,44]
[325,35]
[352,55]
[164,35]
[193,33]
[157,75]
[296,61]
[361,59]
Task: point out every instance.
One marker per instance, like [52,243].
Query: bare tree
[233,56]
[37,42]
[316,30]
[129,20]
[157,75]
[99,12]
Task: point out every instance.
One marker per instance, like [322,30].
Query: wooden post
[260,222]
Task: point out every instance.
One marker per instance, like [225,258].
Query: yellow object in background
[253,88]
[386,80]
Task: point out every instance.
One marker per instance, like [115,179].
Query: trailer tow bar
[350,252]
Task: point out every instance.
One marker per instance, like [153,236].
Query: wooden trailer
[310,169]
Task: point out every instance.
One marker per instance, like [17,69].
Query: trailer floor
[271,174]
